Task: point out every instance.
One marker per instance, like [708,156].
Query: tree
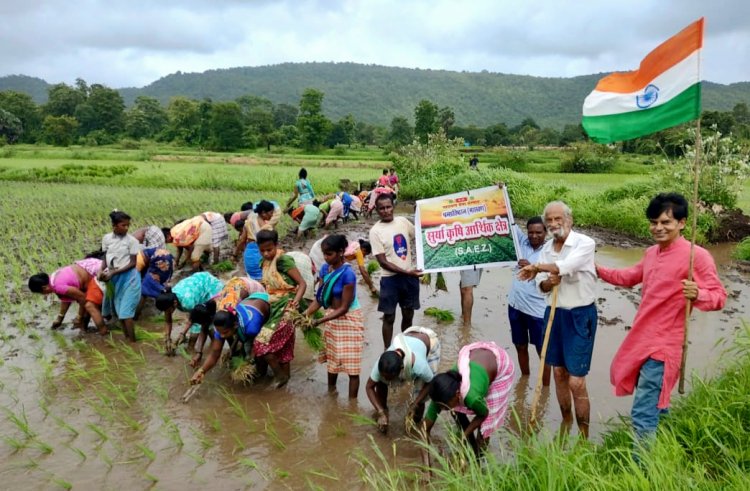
[103,110]
[425,117]
[146,118]
[365,133]
[259,129]
[63,100]
[10,126]
[722,122]
[572,133]
[343,132]
[285,115]
[225,128]
[204,121]
[59,130]
[312,124]
[446,119]
[401,133]
[183,121]
[22,106]
[741,113]
[497,135]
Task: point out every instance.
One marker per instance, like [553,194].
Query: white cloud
[132,43]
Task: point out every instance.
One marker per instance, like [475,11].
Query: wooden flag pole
[543,356]
[694,226]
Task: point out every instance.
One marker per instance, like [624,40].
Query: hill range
[376,94]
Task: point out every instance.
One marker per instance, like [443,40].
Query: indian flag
[665,91]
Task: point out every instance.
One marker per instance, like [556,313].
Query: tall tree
[285,115]
[226,127]
[400,133]
[146,118]
[184,120]
[22,106]
[312,124]
[446,119]
[10,127]
[103,110]
[62,100]
[425,119]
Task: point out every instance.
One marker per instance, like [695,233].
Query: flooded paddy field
[82,411]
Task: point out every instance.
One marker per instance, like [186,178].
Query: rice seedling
[440,282]
[21,422]
[142,334]
[151,477]
[441,315]
[204,441]
[281,473]
[361,420]
[197,458]
[80,453]
[215,422]
[223,266]
[239,445]
[147,452]
[99,431]
[270,429]
[339,430]
[252,465]
[42,446]
[426,279]
[372,266]
[243,370]
[62,483]
[330,477]
[15,444]
[237,408]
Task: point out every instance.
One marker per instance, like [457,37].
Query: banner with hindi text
[464,230]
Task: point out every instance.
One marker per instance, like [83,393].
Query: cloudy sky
[134,42]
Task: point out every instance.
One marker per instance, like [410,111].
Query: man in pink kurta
[648,361]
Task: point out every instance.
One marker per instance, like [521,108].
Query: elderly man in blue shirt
[526,304]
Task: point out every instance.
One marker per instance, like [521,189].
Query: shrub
[589,158]
[510,159]
[742,251]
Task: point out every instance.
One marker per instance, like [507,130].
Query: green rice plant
[281,473]
[372,266]
[215,422]
[204,441]
[237,408]
[441,315]
[142,334]
[426,279]
[314,339]
[147,452]
[252,465]
[42,446]
[224,266]
[151,477]
[440,282]
[270,429]
[15,444]
[361,420]
[64,425]
[99,431]
[339,430]
[171,430]
[61,483]
[239,445]
[197,458]
[21,422]
[80,453]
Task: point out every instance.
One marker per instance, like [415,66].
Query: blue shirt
[524,295]
[347,277]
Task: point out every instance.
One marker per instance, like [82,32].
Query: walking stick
[538,388]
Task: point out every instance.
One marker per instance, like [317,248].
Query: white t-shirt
[119,248]
[420,370]
[394,240]
[577,271]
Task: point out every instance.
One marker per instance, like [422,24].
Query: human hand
[169,349]
[690,290]
[383,422]
[416,273]
[554,279]
[528,272]
[293,304]
[195,361]
[197,377]
[104,275]
[501,184]
[57,322]
[523,262]
[180,339]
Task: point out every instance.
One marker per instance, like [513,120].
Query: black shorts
[398,290]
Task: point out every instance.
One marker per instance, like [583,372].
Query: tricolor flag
[665,91]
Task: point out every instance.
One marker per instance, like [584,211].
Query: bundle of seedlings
[312,333]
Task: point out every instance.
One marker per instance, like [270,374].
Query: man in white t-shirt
[390,238]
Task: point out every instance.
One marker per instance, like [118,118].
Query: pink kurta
[659,325]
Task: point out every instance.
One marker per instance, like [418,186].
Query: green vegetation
[742,251]
[701,444]
[442,315]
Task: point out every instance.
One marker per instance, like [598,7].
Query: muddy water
[123,426]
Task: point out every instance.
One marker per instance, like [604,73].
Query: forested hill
[376,94]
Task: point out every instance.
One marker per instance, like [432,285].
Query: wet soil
[259,437]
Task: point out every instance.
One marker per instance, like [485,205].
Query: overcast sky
[134,42]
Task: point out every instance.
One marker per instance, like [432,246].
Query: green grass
[742,251]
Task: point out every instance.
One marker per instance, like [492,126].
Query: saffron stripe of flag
[665,91]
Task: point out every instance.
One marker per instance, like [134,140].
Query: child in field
[118,270]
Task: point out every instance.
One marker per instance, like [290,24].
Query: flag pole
[694,226]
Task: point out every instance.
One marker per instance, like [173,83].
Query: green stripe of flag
[684,107]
